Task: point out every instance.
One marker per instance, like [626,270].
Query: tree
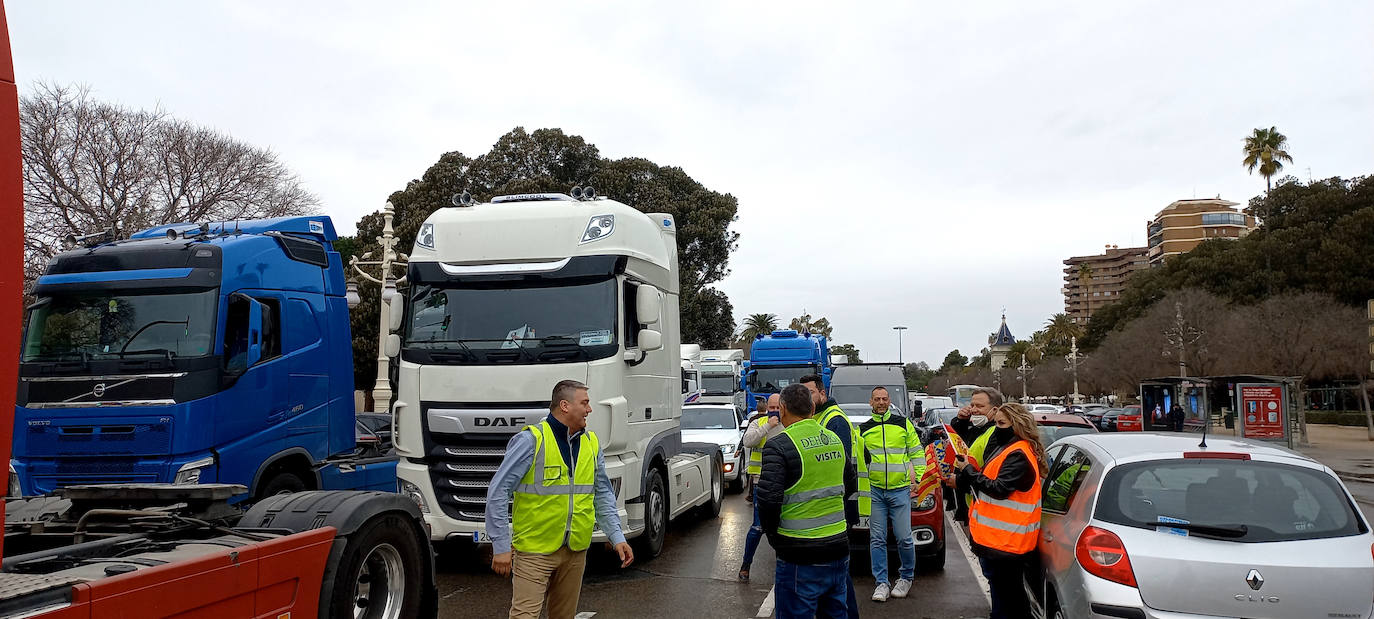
[756,325]
[804,324]
[850,351]
[918,375]
[1266,149]
[953,362]
[1085,281]
[549,160]
[1060,331]
[90,166]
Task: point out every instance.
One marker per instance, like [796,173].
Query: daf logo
[99,390]
[499,422]
[1255,580]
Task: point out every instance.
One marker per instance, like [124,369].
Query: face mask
[1004,435]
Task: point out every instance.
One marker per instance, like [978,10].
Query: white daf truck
[507,298]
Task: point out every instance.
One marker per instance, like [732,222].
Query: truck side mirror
[398,312]
[650,340]
[649,308]
[393,345]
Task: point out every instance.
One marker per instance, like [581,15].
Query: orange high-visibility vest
[1011,524]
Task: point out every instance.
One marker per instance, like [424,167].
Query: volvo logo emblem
[1254,579]
[99,390]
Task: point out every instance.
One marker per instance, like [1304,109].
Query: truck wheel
[741,483]
[378,576]
[281,483]
[711,508]
[650,543]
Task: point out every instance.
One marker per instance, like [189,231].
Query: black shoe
[744,574]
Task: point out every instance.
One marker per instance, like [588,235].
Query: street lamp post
[1179,337]
[390,258]
[899,330]
[1073,358]
[1023,369]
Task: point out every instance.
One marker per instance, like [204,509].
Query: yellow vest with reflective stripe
[552,503]
[975,454]
[756,453]
[813,508]
[885,445]
[856,456]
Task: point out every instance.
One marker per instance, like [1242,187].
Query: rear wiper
[1214,530]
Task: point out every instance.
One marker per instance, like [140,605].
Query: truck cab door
[252,353]
[653,374]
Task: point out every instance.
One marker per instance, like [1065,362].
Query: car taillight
[1216,455]
[1102,554]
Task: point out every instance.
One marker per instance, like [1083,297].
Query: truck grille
[460,470]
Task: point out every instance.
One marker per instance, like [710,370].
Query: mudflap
[347,512]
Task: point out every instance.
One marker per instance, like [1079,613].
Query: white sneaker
[902,587]
[880,594]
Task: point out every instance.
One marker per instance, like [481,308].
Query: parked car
[1044,408]
[1130,420]
[1054,426]
[1094,416]
[1155,525]
[719,424]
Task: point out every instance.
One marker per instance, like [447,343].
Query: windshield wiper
[1214,530]
[143,328]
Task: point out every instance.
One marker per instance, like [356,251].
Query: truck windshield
[110,325]
[720,384]
[863,393]
[772,378]
[515,323]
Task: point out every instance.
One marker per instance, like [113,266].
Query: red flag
[957,443]
[930,480]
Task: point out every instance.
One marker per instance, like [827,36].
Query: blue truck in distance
[195,354]
[781,358]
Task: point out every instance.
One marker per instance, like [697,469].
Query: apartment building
[1184,224]
[1093,282]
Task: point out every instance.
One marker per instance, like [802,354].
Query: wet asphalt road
[696,577]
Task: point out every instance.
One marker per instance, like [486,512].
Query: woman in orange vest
[1004,519]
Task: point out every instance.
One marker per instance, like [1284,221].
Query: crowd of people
[815,475]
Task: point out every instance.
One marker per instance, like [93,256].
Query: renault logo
[99,390]
[1254,579]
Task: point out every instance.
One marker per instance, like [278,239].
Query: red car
[1130,419]
[928,531]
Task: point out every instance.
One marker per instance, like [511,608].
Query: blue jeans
[751,540]
[806,591]
[891,506]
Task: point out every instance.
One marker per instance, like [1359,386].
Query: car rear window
[1274,502]
[1050,434]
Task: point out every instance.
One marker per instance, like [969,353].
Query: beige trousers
[553,580]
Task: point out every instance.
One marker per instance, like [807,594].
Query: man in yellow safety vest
[557,476]
[832,418]
[761,429]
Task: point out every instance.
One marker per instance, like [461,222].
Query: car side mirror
[649,307]
[397,311]
[393,345]
[650,340]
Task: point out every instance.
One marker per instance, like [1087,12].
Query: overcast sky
[915,165]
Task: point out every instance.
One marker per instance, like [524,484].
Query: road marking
[951,525]
[586,614]
[766,608]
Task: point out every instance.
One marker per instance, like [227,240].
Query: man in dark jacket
[804,516]
[1176,417]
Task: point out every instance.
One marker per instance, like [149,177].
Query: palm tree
[1085,278]
[1061,328]
[758,324]
[1265,149]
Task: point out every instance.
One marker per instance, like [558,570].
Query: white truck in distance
[720,377]
[691,373]
[506,299]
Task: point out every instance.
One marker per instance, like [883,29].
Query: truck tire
[711,508]
[377,576]
[381,563]
[281,482]
[649,544]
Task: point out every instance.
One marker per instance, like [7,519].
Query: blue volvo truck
[781,358]
[195,354]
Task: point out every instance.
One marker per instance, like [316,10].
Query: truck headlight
[189,473]
[408,489]
[15,490]
[926,503]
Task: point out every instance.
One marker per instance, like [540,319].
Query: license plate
[863,523]
[480,537]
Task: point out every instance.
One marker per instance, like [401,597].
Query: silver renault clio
[1158,526]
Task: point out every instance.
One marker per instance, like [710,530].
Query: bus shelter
[1158,396]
